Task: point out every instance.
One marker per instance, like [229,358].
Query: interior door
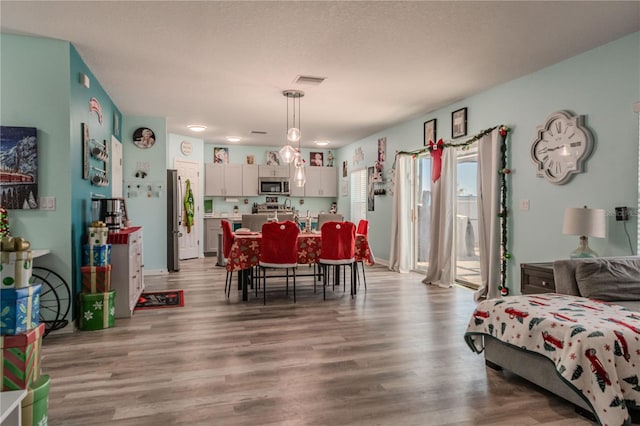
[116,167]
[189,239]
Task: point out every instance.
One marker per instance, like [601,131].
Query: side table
[537,278]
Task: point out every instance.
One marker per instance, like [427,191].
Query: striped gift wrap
[96,279]
[20,358]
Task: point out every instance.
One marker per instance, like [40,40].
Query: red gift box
[20,358]
[96,279]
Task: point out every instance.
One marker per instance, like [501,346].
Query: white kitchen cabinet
[127,271]
[250,185]
[211,230]
[321,182]
[223,180]
[273,171]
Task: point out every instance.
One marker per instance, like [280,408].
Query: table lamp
[586,223]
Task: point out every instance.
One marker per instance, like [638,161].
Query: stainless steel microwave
[274,186]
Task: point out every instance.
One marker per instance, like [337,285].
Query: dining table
[245,253]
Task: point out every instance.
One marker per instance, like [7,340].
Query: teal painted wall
[148,212]
[602,84]
[41,88]
[34,83]
[100,129]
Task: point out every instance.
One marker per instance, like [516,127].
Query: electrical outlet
[622,213]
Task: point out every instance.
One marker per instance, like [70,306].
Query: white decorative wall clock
[186,148]
[562,147]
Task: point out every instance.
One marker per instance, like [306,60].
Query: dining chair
[254,222]
[279,249]
[227,242]
[328,217]
[338,249]
[363,229]
[283,217]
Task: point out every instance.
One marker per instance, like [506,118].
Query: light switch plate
[47,203]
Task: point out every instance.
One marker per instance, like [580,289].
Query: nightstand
[537,278]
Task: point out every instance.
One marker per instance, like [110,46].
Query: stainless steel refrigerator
[174,217]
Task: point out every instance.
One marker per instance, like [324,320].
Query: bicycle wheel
[55,298]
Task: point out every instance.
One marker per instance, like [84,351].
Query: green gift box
[97,310]
[35,406]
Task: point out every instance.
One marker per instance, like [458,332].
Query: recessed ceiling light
[234,138]
[322,143]
[196,127]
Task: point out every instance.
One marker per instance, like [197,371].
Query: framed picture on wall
[19,165]
[371,173]
[220,155]
[459,123]
[429,132]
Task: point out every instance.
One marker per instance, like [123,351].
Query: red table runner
[245,250]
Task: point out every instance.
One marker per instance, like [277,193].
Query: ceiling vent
[309,79]
[258,132]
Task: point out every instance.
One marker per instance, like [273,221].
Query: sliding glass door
[466,230]
[421,212]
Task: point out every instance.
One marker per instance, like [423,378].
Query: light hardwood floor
[394,355]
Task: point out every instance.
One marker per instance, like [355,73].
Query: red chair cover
[227,238]
[338,242]
[279,245]
[363,227]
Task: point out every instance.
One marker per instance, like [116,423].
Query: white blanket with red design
[595,346]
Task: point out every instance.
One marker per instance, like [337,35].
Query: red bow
[436,155]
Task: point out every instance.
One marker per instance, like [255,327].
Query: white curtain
[440,271]
[400,252]
[488,221]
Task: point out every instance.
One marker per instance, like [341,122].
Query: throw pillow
[609,280]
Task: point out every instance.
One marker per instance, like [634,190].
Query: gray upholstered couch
[613,279]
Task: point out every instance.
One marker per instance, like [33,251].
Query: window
[358,193]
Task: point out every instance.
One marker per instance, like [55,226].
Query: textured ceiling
[225,63]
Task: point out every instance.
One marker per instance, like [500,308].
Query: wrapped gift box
[98,235]
[19,309]
[20,359]
[96,279]
[96,255]
[15,268]
[35,406]
[97,310]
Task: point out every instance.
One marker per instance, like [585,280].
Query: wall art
[19,167]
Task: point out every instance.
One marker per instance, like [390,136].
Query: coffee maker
[111,211]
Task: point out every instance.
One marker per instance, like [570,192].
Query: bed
[584,350]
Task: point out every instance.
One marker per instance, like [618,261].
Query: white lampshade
[584,222]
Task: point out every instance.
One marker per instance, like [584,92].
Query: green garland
[503,171]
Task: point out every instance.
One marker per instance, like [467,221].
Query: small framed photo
[459,123]
[220,155]
[316,159]
[429,132]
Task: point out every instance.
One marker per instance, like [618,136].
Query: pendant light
[299,177]
[287,152]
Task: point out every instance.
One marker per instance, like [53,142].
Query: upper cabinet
[321,182]
[223,180]
[250,185]
[274,171]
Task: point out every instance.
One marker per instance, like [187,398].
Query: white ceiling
[225,63]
